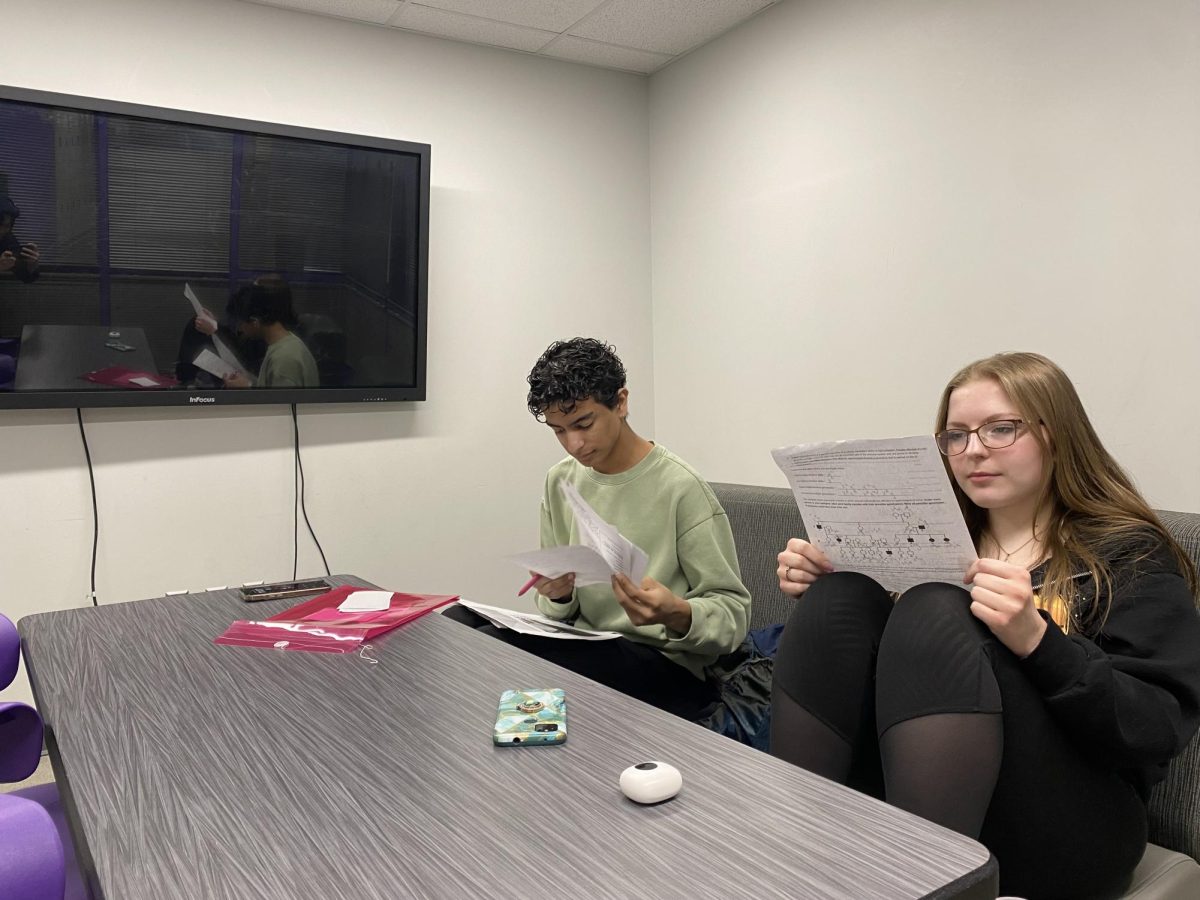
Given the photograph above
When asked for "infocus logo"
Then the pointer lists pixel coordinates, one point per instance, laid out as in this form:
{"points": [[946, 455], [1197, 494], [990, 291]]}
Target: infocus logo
{"points": [[202, 399]]}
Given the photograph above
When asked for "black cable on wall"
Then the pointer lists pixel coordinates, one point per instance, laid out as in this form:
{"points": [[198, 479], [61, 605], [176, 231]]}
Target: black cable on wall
{"points": [[303, 509], [95, 510], [298, 503]]}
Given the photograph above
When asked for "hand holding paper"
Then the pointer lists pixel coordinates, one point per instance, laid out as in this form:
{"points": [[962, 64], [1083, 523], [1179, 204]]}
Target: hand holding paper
{"points": [[603, 553], [884, 508], [559, 588], [202, 314], [588, 566], [652, 603]]}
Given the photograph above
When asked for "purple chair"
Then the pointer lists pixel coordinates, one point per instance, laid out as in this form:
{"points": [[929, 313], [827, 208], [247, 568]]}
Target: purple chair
{"points": [[37, 859], [31, 856], [9, 348], [10, 651]]}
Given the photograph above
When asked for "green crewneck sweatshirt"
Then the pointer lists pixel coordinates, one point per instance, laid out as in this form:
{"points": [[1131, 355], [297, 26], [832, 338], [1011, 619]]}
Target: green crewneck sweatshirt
{"points": [[668, 510], [288, 363]]}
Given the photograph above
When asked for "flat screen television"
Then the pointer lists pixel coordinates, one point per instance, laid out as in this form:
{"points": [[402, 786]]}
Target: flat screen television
{"points": [[153, 257]]}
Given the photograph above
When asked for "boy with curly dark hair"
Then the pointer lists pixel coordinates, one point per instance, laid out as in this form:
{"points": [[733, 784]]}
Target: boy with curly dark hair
{"points": [[692, 606]]}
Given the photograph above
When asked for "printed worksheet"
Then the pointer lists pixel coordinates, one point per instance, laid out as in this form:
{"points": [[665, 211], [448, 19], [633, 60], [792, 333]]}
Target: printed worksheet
{"points": [[602, 553], [885, 508], [532, 623], [614, 548], [551, 562]]}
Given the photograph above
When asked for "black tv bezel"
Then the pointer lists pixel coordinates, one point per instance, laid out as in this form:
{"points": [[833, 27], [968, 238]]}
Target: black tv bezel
{"points": [[249, 396]]}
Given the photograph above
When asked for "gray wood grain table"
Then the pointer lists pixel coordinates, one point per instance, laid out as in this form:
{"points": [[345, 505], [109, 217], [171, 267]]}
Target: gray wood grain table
{"points": [[56, 357], [203, 771]]}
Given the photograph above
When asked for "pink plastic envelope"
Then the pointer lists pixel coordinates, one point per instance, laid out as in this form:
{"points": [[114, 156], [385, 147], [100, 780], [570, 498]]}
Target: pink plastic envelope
{"points": [[314, 637], [317, 625]]}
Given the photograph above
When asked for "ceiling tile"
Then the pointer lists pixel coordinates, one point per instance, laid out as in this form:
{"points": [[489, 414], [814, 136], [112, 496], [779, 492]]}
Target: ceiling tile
{"points": [[596, 54], [548, 15], [376, 11], [666, 26], [469, 28]]}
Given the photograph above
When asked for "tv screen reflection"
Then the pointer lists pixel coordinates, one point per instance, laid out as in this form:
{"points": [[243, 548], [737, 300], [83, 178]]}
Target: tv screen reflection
{"points": [[138, 254]]}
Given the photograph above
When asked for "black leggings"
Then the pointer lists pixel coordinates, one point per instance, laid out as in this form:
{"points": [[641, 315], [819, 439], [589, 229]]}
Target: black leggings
{"points": [[623, 665], [873, 672]]}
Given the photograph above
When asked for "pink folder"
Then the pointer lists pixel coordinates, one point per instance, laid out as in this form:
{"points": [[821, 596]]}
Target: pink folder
{"points": [[120, 376], [317, 625]]}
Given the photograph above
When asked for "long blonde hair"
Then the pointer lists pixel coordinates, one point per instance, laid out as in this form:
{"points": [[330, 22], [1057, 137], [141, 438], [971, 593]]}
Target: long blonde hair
{"points": [[1094, 509]]}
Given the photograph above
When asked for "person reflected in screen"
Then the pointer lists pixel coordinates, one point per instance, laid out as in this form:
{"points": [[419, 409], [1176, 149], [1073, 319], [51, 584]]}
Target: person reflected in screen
{"points": [[691, 606], [1035, 705], [264, 311], [17, 260], [204, 329]]}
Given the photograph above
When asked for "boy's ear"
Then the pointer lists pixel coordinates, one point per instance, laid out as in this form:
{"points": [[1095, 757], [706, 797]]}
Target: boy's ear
{"points": [[622, 408]]}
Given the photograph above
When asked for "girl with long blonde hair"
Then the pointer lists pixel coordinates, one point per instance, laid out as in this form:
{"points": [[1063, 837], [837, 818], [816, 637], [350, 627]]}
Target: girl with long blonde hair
{"points": [[1036, 706]]}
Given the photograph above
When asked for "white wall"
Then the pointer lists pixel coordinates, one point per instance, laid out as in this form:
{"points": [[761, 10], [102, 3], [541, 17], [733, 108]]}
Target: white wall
{"points": [[540, 230], [853, 198], [848, 199]]}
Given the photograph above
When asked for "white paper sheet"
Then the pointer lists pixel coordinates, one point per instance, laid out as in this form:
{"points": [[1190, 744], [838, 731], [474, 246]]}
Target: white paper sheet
{"points": [[366, 601], [143, 381], [230, 358], [213, 364], [551, 562], [197, 305], [614, 548], [531, 623], [884, 508]]}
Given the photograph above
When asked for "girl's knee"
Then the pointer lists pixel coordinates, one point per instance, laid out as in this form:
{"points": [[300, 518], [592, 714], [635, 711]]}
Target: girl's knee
{"points": [[935, 601], [932, 627], [843, 595]]}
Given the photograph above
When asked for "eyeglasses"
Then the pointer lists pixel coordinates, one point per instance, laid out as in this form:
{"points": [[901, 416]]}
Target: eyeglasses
{"points": [[994, 435]]}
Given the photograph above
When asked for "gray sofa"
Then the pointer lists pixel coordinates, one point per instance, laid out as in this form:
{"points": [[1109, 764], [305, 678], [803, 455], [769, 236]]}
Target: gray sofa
{"points": [[763, 518]]}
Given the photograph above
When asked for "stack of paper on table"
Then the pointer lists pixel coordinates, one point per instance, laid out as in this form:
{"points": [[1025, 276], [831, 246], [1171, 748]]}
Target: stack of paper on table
{"points": [[532, 623]]}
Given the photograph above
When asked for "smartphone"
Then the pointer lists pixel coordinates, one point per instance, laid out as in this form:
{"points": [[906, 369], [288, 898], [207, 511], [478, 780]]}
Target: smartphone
{"points": [[282, 589], [531, 717]]}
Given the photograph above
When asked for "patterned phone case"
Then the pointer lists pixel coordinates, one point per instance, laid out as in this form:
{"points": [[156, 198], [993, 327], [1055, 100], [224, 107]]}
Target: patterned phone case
{"points": [[531, 717]]}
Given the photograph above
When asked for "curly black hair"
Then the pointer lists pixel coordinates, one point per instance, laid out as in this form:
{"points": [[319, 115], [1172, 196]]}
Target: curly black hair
{"points": [[574, 370]]}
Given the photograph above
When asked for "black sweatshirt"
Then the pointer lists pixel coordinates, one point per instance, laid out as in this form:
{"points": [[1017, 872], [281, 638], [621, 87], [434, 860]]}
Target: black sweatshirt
{"points": [[1129, 694]]}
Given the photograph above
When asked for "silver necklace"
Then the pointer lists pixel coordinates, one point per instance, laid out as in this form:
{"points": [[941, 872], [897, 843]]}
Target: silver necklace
{"points": [[1009, 554]]}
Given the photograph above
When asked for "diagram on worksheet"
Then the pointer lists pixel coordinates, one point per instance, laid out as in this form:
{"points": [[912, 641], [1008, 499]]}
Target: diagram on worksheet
{"points": [[885, 508]]}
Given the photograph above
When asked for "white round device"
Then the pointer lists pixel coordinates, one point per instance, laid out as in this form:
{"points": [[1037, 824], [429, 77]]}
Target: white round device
{"points": [[651, 782]]}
